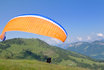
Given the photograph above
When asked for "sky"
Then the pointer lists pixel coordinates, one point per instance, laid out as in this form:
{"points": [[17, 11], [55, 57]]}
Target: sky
{"points": [[82, 19]]}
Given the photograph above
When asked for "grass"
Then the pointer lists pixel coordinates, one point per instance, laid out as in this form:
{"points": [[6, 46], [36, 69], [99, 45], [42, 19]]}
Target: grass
{"points": [[8, 64]]}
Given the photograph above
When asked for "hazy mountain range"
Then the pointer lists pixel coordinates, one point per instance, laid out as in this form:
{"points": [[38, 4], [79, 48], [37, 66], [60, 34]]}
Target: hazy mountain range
{"points": [[92, 49]]}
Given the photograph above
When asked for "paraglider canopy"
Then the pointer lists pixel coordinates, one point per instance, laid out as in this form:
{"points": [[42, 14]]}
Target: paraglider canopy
{"points": [[36, 24]]}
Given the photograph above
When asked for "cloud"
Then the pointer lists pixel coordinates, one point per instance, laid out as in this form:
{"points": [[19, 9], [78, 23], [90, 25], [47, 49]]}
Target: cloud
{"points": [[79, 38], [88, 38], [56, 40], [53, 41], [100, 35]]}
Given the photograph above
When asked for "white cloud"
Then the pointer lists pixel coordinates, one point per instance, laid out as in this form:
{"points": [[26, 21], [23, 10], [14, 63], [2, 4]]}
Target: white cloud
{"points": [[53, 41], [56, 40], [100, 35], [79, 38], [88, 38]]}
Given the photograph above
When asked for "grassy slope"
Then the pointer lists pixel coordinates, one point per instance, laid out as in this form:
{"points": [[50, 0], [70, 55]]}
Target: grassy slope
{"points": [[32, 65], [37, 49]]}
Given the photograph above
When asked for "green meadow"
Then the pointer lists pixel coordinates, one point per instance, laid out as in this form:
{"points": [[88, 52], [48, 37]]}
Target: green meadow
{"points": [[8, 64]]}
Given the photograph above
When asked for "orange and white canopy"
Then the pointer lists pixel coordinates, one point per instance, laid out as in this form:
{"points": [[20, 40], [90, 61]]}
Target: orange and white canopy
{"points": [[36, 24]]}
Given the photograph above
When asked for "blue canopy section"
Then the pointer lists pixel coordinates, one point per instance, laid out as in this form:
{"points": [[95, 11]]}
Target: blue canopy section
{"points": [[4, 38]]}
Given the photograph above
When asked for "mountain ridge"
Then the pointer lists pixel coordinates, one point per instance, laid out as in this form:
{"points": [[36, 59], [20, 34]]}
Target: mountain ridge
{"points": [[92, 49]]}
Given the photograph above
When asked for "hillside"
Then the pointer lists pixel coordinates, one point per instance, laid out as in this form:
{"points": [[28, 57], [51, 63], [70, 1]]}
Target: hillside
{"points": [[33, 65], [35, 49], [93, 49]]}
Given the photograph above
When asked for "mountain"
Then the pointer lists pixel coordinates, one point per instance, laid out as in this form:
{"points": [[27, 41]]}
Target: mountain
{"points": [[92, 49], [36, 49], [33, 49]]}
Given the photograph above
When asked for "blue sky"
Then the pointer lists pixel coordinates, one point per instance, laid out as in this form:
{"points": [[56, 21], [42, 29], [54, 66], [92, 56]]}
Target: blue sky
{"points": [[82, 19]]}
